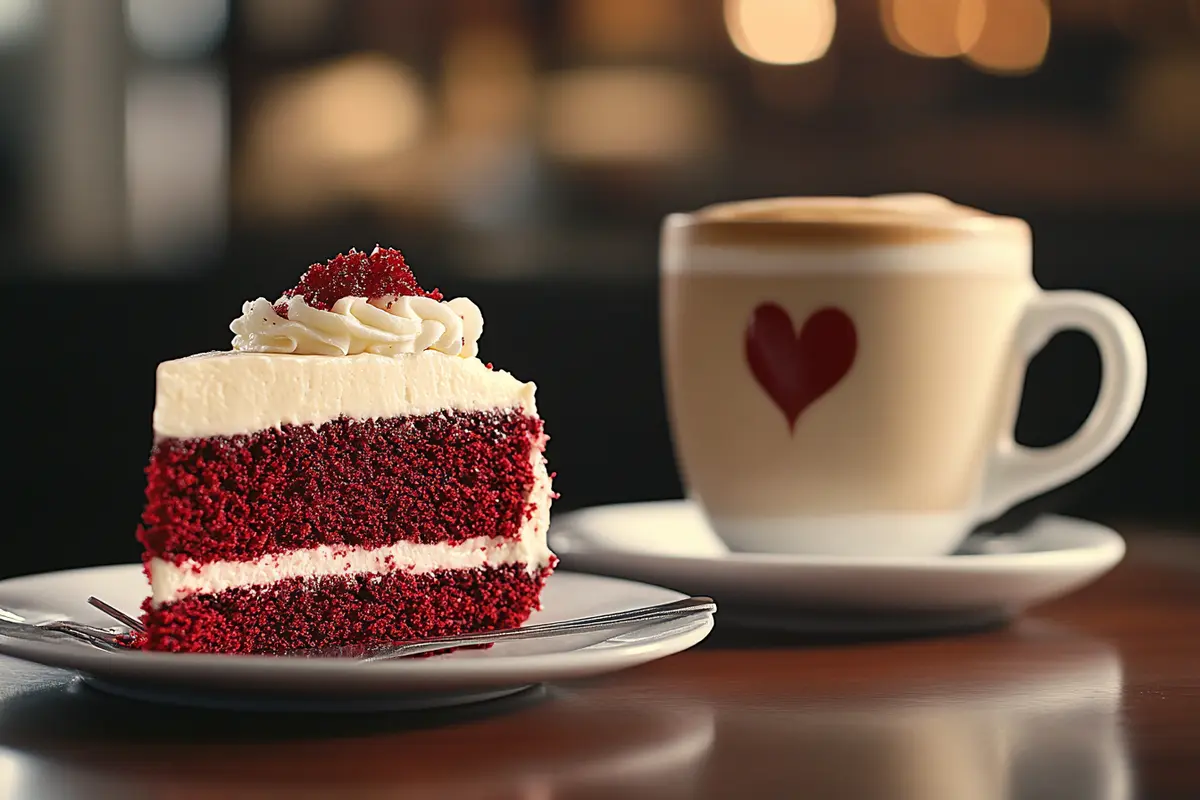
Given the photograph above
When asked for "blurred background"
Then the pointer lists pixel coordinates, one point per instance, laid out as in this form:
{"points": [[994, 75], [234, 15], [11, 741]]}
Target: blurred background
{"points": [[163, 160]]}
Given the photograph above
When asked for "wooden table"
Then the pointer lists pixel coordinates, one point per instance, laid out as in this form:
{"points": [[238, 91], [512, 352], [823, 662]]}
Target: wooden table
{"points": [[1096, 696]]}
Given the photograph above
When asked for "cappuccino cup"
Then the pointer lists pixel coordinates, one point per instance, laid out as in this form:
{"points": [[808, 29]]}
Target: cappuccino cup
{"points": [[843, 375]]}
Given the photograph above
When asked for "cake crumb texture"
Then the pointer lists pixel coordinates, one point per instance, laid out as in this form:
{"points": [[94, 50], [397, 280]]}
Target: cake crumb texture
{"points": [[359, 610], [444, 477]]}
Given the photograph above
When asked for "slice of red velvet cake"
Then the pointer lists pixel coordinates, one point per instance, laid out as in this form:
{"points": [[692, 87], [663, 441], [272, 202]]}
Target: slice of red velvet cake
{"points": [[350, 473]]}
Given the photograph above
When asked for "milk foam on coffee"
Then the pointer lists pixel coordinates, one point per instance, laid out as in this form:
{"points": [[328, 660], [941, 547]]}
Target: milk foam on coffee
{"points": [[880, 208], [844, 234]]}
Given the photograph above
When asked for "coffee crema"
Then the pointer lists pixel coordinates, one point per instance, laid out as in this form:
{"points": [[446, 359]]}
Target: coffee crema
{"points": [[890, 219]]}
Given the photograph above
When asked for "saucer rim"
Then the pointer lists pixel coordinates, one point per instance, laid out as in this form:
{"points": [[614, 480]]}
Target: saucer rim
{"points": [[1097, 542]]}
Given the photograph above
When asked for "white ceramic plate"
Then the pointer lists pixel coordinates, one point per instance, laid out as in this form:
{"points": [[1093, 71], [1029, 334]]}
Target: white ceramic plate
{"points": [[990, 580], [264, 683]]}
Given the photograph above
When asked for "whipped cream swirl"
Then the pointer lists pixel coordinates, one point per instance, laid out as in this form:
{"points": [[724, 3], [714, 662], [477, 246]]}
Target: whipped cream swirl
{"points": [[389, 326]]}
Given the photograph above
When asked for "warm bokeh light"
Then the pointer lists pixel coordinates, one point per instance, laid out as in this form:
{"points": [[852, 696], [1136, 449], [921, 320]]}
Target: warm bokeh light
{"points": [[1015, 37], [933, 28], [488, 86], [626, 115], [359, 108], [315, 132], [781, 31], [631, 27]]}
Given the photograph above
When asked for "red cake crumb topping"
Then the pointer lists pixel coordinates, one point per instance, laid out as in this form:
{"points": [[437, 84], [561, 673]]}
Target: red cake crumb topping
{"points": [[444, 477], [380, 273], [356, 610]]}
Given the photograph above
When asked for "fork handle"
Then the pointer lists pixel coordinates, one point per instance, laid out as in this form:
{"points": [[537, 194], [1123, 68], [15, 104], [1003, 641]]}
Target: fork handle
{"points": [[614, 623]]}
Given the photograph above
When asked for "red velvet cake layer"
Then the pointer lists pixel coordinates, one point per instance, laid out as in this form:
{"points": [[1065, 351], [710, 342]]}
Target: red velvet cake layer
{"points": [[338, 611], [444, 477]]}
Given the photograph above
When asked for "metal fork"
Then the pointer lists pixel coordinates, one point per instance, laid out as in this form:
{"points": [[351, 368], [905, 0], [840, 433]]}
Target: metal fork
{"points": [[586, 630], [103, 638], [132, 623]]}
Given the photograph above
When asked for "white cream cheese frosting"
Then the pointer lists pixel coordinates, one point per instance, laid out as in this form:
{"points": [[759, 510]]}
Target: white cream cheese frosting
{"points": [[170, 582], [231, 393], [391, 326]]}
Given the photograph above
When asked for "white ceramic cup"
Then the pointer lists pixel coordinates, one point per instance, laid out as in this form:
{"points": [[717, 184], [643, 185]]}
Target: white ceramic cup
{"points": [[843, 374]]}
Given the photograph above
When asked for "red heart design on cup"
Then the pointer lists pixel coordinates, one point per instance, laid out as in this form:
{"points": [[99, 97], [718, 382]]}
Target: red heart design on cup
{"points": [[795, 369]]}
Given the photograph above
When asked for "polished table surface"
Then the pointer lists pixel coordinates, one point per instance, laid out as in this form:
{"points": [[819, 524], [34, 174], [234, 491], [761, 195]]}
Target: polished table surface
{"points": [[1094, 696]]}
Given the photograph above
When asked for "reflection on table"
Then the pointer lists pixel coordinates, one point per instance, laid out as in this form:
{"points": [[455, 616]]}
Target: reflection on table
{"points": [[1034, 708]]}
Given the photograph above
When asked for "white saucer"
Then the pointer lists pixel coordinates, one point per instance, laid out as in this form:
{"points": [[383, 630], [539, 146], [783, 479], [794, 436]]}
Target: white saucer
{"points": [[990, 580], [283, 683]]}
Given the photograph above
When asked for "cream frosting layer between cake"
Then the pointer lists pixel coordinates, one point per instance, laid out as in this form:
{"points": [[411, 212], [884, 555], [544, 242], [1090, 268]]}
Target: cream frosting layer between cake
{"points": [[169, 582], [231, 393]]}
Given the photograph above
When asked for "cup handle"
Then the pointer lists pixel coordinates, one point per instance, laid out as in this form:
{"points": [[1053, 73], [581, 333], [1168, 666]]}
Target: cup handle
{"points": [[1015, 473]]}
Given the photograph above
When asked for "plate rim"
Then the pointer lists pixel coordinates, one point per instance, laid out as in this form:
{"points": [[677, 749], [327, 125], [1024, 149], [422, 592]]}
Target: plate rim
{"points": [[415, 673]]}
